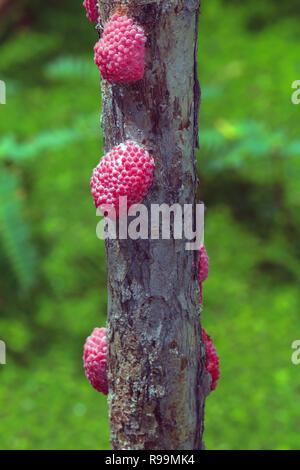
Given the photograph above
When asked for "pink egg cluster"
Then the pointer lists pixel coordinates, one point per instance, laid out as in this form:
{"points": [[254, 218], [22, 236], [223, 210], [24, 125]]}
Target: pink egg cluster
{"points": [[94, 360], [120, 53], [91, 10], [127, 170], [212, 363], [203, 267]]}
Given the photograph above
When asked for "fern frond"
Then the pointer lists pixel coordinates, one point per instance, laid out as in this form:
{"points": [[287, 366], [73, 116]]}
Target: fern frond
{"points": [[14, 232]]}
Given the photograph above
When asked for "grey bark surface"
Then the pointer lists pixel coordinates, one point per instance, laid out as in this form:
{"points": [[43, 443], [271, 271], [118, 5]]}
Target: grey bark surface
{"points": [[156, 373]]}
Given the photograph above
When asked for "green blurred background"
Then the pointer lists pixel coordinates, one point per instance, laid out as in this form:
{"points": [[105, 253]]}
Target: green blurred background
{"points": [[52, 266]]}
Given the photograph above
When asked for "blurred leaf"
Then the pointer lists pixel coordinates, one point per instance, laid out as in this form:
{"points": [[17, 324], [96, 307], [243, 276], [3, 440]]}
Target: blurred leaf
{"points": [[52, 140], [211, 140], [25, 47], [72, 68], [292, 148], [15, 233]]}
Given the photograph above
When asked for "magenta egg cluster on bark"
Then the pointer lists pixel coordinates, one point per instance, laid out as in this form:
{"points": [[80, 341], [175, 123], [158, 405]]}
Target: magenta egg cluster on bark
{"points": [[120, 53], [127, 170], [203, 267], [212, 363], [94, 359], [91, 10]]}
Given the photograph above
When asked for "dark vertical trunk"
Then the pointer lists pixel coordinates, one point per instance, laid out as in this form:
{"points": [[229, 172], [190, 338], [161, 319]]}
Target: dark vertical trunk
{"points": [[157, 378]]}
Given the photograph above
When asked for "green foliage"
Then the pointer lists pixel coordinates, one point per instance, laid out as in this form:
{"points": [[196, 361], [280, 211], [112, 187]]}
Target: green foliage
{"points": [[14, 231], [248, 168], [242, 144], [253, 150], [72, 68], [12, 151], [26, 48]]}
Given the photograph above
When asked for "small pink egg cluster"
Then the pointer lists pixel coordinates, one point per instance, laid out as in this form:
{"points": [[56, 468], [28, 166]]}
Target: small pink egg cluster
{"points": [[203, 267], [127, 170], [212, 363], [91, 10], [94, 360], [120, 53]]}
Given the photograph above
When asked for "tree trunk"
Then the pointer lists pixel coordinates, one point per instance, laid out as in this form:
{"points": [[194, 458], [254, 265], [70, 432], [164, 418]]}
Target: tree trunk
{"points": [[156, 373]]}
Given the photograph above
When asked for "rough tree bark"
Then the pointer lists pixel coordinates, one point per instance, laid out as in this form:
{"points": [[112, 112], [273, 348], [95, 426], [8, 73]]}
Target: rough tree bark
{"points": [[157, 379]]}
